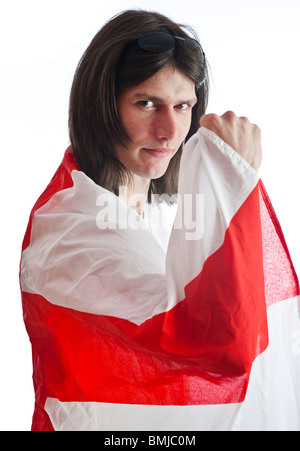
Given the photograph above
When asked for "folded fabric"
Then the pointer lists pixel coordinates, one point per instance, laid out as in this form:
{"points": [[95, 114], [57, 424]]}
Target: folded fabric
{"points": [[186, 319]]}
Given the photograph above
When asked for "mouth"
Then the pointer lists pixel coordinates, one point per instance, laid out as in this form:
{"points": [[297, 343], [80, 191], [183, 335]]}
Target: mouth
{"points": [[158, 152]]}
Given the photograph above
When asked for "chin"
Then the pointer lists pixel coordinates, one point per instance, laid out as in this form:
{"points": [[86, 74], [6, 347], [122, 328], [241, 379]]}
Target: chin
{"points": [[157, 173]]}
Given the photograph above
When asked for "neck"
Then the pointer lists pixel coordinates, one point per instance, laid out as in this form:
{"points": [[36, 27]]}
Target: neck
{"points": [[135, 194]]}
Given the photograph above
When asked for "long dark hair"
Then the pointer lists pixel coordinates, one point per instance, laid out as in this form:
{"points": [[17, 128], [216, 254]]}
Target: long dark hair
{"points": [[113, 61]]}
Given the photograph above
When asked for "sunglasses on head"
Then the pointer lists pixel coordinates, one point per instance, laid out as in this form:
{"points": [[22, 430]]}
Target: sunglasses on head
{"points": [[163, 41]]}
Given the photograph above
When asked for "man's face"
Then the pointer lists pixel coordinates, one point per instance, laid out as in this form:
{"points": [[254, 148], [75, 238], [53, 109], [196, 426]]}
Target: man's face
{"points": [[156, 115]]}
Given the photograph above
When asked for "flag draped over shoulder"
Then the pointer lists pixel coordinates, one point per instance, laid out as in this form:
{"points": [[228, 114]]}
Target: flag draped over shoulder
{"points": [[138, 326]]}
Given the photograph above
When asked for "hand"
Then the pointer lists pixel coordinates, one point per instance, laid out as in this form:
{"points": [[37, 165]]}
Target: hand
{"points": [[238, 133]]}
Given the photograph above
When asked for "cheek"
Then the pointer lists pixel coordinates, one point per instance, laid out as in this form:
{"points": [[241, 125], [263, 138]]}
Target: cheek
{"points": [[135, 127]]}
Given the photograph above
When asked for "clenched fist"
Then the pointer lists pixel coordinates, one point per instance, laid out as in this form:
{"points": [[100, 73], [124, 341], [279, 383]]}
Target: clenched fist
{"points": [[238, 133]]}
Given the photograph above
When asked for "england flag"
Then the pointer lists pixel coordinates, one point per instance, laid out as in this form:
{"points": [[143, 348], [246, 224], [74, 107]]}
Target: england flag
{"points": [[184, 320]]}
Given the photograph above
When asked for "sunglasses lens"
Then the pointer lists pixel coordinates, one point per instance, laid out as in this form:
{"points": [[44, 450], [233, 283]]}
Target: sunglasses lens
{"points": [[156, 41], [192, 44], [162, 41]]}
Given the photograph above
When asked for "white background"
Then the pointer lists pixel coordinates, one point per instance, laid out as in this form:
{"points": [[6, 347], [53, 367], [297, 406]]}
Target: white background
{"points": [[253, 50]]}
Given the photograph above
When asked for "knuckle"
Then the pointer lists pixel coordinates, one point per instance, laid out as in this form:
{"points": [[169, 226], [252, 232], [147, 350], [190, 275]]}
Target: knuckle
{"points": [[211, 116], [245, 119], [211, 120], [230, 116], [257, 129]]}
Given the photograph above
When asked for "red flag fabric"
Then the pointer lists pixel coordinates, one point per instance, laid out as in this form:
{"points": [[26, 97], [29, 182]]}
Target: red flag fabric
{"points": [[136, 325]]}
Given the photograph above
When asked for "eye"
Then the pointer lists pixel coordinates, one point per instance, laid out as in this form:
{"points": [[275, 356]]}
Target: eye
{"points": [[183, 106], [146, 103]]}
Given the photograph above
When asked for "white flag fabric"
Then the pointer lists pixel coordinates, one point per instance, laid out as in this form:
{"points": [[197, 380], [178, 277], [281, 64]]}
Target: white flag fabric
{"points": [[187, 319]]}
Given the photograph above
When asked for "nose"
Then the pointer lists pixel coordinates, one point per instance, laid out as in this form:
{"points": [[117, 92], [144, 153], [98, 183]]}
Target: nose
{"points": [[166, 125]]}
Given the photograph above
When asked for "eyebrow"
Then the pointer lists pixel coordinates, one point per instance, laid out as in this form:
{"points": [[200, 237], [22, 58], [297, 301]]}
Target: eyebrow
{"points": [[162, 101]]}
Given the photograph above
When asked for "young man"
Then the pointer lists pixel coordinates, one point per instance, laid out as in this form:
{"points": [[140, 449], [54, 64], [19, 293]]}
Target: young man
{"points": [[107, 118], [136, 324]]}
